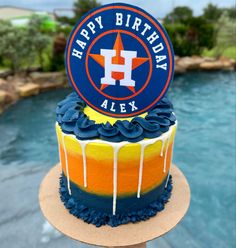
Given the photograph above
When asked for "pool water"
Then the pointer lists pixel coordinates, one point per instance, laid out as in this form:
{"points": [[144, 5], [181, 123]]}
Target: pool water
{"points": [[205, 150]]}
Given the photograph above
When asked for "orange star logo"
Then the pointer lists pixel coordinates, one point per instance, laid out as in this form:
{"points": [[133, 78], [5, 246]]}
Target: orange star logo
{"points": [[118, 47]]}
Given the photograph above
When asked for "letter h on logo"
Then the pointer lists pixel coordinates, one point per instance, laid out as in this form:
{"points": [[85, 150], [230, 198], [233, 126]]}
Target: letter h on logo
{"points": [[126, 68]]}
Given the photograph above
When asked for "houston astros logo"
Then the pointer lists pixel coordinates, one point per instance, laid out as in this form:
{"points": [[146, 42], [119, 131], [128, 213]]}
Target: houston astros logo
{"points": [[119, 60]]}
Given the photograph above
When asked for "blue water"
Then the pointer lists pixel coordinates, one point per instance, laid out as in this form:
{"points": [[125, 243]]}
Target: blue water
{"points": [[205, 150]]}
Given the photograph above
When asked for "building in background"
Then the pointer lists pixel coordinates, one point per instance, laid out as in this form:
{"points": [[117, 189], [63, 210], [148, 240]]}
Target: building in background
{"points": [[20, 16]]}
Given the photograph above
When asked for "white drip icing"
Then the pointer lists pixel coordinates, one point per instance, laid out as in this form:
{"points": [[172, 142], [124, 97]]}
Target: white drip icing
{"points": [[141, 170], [59, 150], [167, 180], [66, 160], [171, 159], [83, 145], [116, 150], [164, 137], [116, 147], [166, 153], [115, 169], [162, 147]]}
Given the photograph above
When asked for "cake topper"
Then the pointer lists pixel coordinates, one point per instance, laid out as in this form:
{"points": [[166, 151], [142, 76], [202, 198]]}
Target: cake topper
{"points": [[120, 60]]}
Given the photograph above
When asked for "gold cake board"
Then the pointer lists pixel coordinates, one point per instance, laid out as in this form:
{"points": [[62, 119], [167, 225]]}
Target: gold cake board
{"points": [[128, 235]]}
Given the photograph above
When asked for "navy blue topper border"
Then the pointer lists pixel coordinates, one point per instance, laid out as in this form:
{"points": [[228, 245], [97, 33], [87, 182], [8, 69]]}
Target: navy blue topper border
{"points": [[120, 60]]}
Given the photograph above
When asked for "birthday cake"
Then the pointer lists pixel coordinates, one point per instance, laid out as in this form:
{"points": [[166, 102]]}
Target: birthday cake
{"points": [[116, 130]]}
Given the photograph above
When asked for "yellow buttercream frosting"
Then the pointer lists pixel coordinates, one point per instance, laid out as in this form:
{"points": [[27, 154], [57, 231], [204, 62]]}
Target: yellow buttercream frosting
{"points": [[100, 118], [104, 151]]}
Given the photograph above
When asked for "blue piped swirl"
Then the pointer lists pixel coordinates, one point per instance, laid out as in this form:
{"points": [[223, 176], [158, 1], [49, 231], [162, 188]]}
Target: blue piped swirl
{"points": [[72, 120]]}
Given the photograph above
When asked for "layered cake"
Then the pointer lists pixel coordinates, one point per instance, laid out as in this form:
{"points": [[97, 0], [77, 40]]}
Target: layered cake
{"points": [[116, 130]]}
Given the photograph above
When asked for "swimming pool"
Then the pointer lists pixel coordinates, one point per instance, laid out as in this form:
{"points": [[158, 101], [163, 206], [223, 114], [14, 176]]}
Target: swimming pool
{"points": [[204, 149]]}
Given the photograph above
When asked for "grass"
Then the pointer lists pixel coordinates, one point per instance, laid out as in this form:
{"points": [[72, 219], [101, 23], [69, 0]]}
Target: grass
{"points": [[229, 52]]}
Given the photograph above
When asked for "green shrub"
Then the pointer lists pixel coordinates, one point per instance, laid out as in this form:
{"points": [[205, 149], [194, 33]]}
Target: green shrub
{"points": [[59, 45], [40, 39], [13, 45], [23, 47], [64, 29], [191, 36]]}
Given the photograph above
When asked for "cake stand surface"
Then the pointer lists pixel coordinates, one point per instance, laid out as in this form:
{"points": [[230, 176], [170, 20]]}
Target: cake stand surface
{"points": [[129, 235]]}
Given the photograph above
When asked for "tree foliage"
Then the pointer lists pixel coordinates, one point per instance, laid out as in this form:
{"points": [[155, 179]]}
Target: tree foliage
{"points": [[59, 45], [13, 45], [21, 47], [81, 7], [212, 12], [226, 33], [231, 12], [192, 38], [179, 15], [190, 35], [40, 40]]}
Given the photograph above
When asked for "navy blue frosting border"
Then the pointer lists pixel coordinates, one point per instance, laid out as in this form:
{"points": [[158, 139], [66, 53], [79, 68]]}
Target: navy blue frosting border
{"points": [[98, 219], [72, 120]]}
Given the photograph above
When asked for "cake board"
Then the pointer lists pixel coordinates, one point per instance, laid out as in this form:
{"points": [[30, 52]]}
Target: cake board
{"points": [[128, 235]]}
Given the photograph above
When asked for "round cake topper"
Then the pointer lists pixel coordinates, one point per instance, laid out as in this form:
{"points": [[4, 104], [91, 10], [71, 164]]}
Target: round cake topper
{"points": [[120, 60]]}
